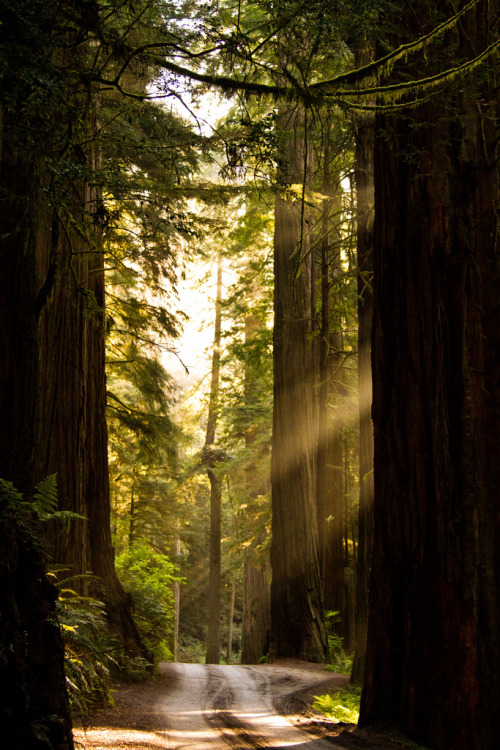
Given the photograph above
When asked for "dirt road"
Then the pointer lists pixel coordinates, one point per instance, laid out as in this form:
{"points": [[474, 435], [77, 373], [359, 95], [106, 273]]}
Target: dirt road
{"points": [[208, 707]]}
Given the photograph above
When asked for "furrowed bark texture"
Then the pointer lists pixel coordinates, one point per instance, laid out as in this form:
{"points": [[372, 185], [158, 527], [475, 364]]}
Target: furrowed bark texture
{"points": [[34, 707], [329, 489], [255, 625], [72, 440], [296, 599], [53, 400], [433, 654], [364, 193]]}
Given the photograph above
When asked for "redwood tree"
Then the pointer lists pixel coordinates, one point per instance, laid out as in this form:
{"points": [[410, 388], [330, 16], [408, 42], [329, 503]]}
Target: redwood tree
{"points": [[363, 170], [296, 598], [433, 652]]}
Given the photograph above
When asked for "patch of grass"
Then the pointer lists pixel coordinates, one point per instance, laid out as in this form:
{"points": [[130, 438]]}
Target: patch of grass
{"points": [[339, 705]]}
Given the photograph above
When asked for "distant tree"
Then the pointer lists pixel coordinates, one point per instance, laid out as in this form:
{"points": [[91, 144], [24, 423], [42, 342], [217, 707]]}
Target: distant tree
{"points": [[211, 457]]}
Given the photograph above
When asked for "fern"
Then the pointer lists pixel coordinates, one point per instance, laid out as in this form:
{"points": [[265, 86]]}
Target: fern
{"points": [[45, 498], [339, 705], [45, 502], [88, 649]]}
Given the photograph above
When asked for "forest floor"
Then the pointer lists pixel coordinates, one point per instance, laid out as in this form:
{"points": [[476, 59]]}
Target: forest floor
{"points": [[208, 707]]}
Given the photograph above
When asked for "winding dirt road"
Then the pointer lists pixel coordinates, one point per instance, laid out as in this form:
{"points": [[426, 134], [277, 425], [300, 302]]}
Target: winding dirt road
{"points": [[209, 707]]}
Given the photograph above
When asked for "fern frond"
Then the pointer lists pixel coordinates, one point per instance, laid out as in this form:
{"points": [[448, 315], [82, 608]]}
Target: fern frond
{"points": [[45, 496]]}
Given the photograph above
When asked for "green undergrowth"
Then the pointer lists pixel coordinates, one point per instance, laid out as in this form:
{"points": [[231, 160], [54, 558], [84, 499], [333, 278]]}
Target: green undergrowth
{"points": [[340, 704], [340, 660], [89, 649], [148, 577]]}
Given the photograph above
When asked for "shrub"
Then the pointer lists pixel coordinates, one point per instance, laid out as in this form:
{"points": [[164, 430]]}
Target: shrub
{"points": [[148, 576], [339, 660]]}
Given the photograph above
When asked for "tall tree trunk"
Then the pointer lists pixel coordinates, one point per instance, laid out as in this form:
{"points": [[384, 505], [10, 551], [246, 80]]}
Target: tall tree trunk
{"points": [[214, 584], [363, 170], [177, 594], [296, 598], [256, 611], [256, 568], [432, 666], [33, 698], [73, 438], [33, 691], [329, 456]]}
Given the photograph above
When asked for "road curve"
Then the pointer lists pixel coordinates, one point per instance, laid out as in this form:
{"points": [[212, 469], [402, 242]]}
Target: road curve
{"points": [[209, 706]]}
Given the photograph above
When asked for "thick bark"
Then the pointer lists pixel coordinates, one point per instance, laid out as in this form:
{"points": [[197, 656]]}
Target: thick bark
{"points": [[296, 599], [51, 278], [433, 643], [329, 453], [72, 440], [33, 700], [364, 193], [256, 617]]}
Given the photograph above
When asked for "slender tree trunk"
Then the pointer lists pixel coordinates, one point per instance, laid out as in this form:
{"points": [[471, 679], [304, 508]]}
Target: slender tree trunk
{"points": [[296, 598], [432, 665], [365, 199], [214, 594], [230, 619], [177, 595], [131, 529]]}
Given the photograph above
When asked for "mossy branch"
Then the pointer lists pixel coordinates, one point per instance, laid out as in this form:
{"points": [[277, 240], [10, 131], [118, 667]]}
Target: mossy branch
{"points": [[422, 85], [374, 70]]}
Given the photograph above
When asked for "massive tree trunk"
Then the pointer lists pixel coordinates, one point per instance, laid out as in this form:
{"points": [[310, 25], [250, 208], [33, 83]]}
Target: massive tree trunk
{"points": [[329, 489], [33, 691], [433, 643], [33, 699], [52, 304], [364, 195], [72, 439], [256, 617], [296, 599]]}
